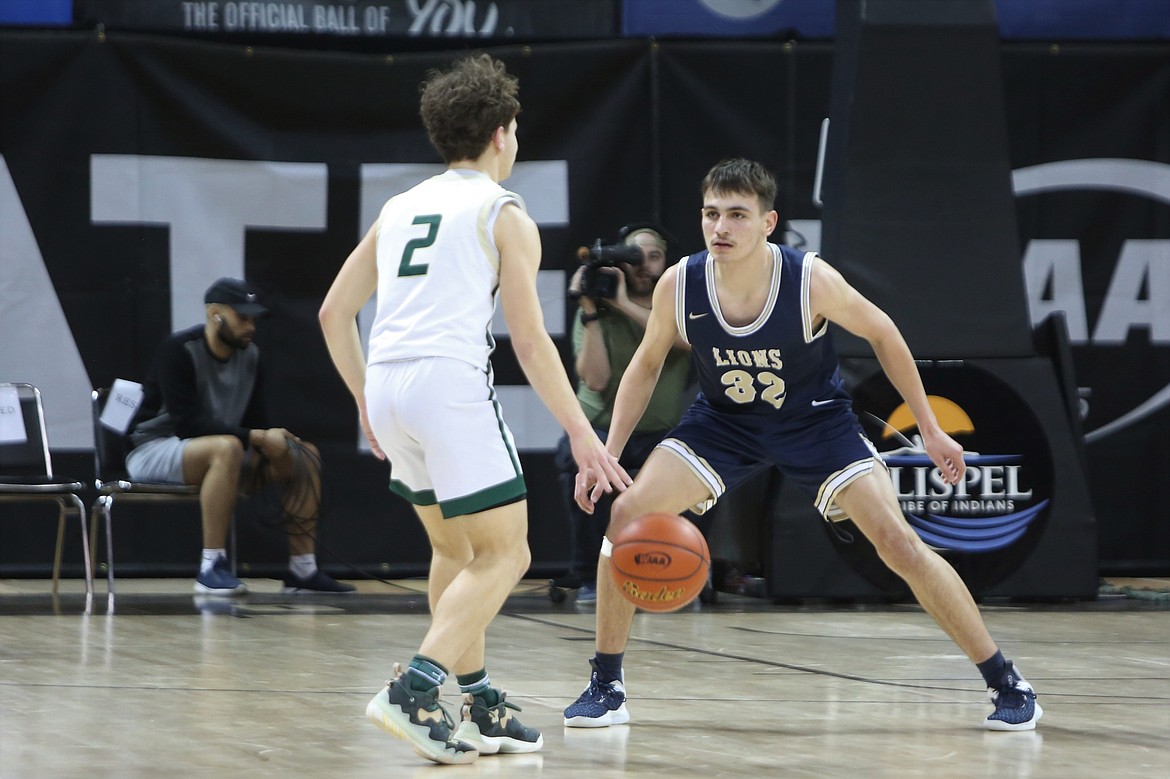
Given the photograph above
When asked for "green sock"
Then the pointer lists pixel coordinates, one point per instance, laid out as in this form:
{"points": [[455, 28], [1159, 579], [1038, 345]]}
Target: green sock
{"points": [[479, 685], [424, 674]]}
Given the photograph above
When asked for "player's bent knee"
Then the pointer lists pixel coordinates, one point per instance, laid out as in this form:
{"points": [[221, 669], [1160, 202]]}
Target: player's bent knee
{"points": [[509, 560], [522, 559], [621, 514], [900, 551]]}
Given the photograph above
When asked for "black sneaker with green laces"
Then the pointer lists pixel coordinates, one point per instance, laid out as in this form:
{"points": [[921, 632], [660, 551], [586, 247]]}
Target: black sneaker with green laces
{"points": [[419, 718], [492, 729]]}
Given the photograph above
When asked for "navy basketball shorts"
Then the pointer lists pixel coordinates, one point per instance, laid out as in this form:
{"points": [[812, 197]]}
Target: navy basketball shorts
{"points": [[823, 451]]}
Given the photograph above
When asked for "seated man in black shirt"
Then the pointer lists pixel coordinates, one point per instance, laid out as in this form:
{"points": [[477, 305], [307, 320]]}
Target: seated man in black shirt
{"points": [[203, 421]]}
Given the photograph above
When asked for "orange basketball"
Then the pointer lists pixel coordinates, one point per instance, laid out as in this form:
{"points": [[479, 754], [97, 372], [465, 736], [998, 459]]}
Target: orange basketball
{"points": [[660, 562]]}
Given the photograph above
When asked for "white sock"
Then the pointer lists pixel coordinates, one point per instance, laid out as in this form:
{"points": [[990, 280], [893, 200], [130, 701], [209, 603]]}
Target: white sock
{"points": [[209, 558], [303, 565]]}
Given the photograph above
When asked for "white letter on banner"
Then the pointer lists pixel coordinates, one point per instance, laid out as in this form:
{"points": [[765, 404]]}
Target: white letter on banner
{"points": [[1054, 266], [544, 185], [1142, 264], [208, 205], [36, 344]]}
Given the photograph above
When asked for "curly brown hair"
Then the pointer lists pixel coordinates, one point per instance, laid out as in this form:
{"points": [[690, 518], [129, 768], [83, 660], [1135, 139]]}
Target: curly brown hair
{"points": [[463, 105]]}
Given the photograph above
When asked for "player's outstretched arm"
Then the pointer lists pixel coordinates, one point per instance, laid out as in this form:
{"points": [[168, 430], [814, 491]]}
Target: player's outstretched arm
{"points": [[519, 244], [638, 382], [832, 298], [356, 282], [641, 376]]}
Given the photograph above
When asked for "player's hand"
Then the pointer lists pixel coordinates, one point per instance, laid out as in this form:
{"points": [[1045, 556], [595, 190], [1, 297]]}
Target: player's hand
{"points": [[599, 472], [581, 489], [946, 454], [369, 432]]}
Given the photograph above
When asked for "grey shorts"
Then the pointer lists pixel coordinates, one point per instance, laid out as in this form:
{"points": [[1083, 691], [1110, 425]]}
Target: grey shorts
{"points": [[160, 460]]}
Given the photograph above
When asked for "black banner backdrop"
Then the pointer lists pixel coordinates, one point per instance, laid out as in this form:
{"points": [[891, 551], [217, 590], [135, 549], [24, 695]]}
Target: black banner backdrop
{"points": [[1090, 144], [113, 207]]}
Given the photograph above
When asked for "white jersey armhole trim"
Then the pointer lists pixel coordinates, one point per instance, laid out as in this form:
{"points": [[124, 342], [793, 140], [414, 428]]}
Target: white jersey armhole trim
{"points": [[378, 222], [806, 317], [680, 299], [486, 224]]}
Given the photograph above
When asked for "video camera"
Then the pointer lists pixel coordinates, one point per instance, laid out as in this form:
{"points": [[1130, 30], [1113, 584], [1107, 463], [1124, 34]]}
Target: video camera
{"points": [[596, 283]]}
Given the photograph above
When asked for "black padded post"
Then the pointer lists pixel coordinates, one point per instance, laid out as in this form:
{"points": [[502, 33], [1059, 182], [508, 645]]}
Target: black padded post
{"points": [[918, 207]]}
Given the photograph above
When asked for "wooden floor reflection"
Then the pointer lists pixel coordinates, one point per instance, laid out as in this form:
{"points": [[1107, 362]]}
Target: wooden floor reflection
{"points": [[273, 685]]}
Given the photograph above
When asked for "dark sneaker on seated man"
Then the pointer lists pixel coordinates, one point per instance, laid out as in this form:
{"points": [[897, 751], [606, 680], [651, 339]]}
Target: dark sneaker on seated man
{"points": [[217, 578], [319, 582]]}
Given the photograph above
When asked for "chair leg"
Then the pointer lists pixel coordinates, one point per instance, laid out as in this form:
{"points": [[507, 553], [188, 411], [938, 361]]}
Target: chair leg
{"points": [[104, 506], [85, 552], [93, 534], [60, 545]]}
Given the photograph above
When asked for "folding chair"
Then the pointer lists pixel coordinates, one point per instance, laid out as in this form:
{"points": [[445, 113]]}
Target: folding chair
{"points": [[114, 483], [26, 472]]}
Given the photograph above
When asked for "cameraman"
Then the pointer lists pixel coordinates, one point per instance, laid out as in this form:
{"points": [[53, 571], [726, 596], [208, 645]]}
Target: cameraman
{"points": [[613, 290]]}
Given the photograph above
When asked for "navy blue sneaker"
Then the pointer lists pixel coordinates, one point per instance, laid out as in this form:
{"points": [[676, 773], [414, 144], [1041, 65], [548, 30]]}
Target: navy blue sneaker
{"points": [[587, 594], [601, 705], [1015, 705], [219, 580], [320, 582]]}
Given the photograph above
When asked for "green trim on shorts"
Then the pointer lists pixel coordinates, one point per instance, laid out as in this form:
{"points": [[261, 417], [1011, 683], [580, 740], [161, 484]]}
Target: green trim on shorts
{"points": [[421, 498], [500, 421], [485, 499]]}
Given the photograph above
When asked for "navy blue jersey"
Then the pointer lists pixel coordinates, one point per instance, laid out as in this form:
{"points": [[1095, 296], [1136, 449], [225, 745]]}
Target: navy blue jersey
{"points": [[778, 367]]}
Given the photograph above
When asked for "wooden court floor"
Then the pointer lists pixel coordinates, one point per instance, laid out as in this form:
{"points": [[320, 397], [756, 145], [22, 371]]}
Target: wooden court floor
{"points": [[277, 685]]}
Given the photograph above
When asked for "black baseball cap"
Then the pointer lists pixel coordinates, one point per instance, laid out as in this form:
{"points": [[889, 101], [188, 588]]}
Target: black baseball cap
{"points": [[238, 294]]}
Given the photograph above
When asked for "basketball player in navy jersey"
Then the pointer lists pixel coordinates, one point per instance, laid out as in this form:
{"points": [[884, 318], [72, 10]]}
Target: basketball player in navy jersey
{"points": [[756, 315]]}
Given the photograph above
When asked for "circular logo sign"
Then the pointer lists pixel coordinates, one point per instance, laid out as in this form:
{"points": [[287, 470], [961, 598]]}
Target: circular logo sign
{"points": [[741, 9], [988, 524]]}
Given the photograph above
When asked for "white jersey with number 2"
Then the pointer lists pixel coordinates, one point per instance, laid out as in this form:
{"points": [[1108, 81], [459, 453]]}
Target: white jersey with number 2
{"points": [[439, 269]]}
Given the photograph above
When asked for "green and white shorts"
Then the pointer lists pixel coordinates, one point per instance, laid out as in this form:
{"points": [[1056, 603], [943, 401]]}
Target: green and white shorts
{"points": [[440, 424]]}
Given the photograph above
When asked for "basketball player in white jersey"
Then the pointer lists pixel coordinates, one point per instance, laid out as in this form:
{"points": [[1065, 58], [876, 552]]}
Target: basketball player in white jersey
{"points": [[436, 257]]}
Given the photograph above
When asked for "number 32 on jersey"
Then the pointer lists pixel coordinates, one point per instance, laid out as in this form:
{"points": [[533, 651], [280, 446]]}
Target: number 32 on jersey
{"points": [[741, 387]]}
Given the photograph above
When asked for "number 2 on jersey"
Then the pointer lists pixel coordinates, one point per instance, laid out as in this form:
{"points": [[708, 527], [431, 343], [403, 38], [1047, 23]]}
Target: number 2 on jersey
{"points": [[405, 268]]}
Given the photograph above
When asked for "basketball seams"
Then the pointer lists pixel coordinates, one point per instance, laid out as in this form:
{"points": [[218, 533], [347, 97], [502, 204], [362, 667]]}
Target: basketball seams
{"points": [[700, 560]]}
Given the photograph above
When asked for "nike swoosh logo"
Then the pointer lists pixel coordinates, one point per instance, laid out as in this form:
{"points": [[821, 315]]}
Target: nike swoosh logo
{"points": [[693, 315], [822, 402]]}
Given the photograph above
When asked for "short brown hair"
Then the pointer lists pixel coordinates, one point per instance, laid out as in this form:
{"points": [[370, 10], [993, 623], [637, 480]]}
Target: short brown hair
{"points": [[463, 105], [740, 175]]}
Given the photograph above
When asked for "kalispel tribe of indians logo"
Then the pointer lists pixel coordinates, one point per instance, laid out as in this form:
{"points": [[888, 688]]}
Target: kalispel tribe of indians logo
{"points": [[988, 523]]}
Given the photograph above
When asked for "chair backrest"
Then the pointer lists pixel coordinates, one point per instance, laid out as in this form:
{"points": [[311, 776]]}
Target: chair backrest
{"points": [[29, 457], [109, 446]]}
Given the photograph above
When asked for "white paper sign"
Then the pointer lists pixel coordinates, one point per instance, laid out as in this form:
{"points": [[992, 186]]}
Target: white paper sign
{"points": [[11, 419], [121, 405]]}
